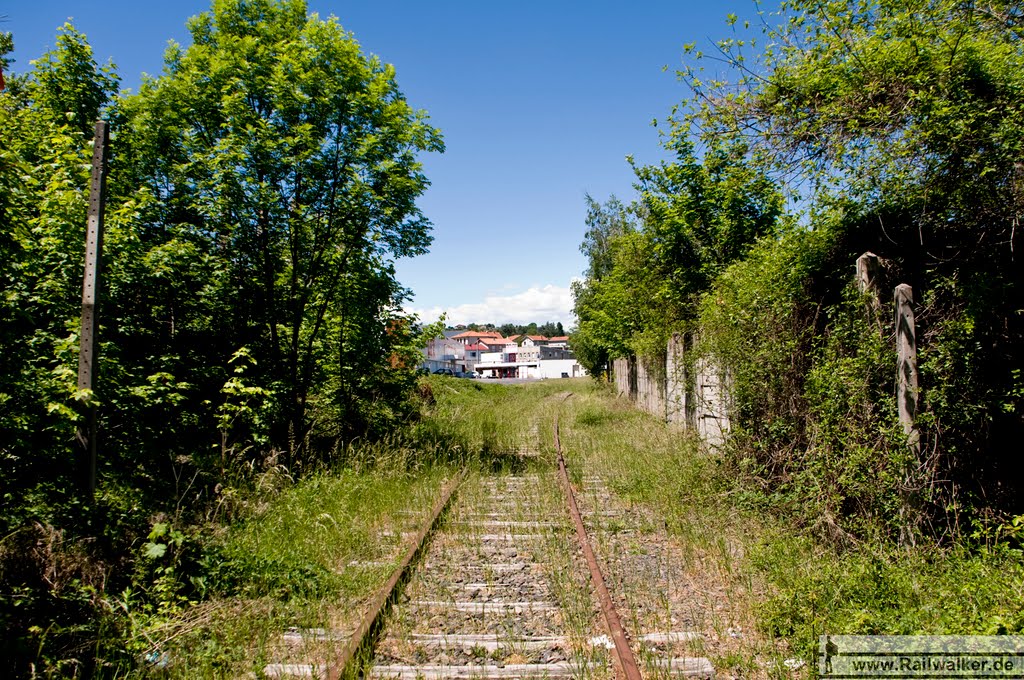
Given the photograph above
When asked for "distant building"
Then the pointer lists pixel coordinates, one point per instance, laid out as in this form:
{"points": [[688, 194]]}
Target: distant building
{"points": [[534, 357], [445, 352], [474, 337], [473, 354], [531, 340]]}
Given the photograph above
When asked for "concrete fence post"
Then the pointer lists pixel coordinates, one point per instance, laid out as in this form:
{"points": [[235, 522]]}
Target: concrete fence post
{"points": [[868, 267], [906, 404], [631, 362], [676, 396], [88, 432], [906, 358]]}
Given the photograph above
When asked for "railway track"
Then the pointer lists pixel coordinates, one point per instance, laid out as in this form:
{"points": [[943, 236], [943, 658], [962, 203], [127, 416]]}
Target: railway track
{"points": [[499, 582]]}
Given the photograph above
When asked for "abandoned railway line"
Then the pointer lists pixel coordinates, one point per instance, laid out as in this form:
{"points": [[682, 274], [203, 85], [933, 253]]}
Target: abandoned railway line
{"points": [[504, 578]]}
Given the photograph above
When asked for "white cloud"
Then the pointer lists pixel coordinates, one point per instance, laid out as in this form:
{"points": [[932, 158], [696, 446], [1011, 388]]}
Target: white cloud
{"points": [[537, 303]]}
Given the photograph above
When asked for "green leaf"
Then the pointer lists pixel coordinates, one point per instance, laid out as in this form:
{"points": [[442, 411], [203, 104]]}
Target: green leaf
{"points": [[159, 529], [154, 551]]}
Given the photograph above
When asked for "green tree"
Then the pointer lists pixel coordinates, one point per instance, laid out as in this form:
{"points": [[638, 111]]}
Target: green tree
{"points": [[260, 192], [703, 214], [897, 124], [44, 162], [286, 157], [644, 280], [604, 222], [6, 47], [908, 109], [44, 156], [67, 85]]}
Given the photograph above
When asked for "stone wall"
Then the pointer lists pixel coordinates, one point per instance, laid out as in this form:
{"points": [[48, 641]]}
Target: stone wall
{"points": [[651, 388], [697, 398], [625, 377]]}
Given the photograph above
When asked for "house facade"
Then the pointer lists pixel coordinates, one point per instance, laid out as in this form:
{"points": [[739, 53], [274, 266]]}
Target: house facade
{"points": [[444, 352], [534, 357]]}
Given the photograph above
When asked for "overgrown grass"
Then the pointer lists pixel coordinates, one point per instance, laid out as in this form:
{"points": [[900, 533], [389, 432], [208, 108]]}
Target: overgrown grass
{"points": [[791, 581], [307, 559], [306, 554], [489, 420]]}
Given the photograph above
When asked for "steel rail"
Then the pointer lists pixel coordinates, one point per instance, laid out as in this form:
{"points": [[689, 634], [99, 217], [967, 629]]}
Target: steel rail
{"points": [[382, 600], [625, 660]]}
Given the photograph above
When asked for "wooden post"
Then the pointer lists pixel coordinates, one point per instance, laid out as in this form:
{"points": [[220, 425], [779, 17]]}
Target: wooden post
{"points": [[87, 435], [906, 402]]}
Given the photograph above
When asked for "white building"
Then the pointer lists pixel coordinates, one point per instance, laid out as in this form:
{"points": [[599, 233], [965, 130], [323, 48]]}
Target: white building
{"points": [[553, 368], [532, 359], [445, 352]]}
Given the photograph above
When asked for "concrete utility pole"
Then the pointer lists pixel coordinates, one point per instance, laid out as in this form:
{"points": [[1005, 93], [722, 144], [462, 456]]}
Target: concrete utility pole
{"points": [[869, 268], [87, 434]]}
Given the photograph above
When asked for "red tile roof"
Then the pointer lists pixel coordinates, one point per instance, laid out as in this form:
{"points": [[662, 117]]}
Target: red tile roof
{"points": [[478, 334], [560, 338]]}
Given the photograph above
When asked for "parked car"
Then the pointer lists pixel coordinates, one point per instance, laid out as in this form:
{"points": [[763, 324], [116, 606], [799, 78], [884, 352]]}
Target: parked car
{"points": [[467, 374], [444, 371]]}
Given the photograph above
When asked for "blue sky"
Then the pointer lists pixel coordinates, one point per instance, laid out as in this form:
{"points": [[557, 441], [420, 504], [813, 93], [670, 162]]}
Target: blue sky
{"points": [[539, 103]]}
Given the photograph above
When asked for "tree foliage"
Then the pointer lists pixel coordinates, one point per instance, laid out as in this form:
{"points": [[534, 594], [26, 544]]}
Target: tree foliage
{"points": [[274, 149], [649, 263], [899, 121], [259, 193], [891, 126]]}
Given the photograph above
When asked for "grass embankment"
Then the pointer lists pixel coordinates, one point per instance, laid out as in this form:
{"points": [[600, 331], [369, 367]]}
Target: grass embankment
{"points": [[305, 555], [301, 556], [788, 585], [305, 558]]}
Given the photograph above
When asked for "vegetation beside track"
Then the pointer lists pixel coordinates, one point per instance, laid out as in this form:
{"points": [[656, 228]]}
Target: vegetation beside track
{"points": [[788, 584], [213, 598], [260, 190], [288, 562]]}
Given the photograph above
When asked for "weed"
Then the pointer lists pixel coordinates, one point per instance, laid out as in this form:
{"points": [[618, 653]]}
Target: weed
{"points": [[785, 580]]}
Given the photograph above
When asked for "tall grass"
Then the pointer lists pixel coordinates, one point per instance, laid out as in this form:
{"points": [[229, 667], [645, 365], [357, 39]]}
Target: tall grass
{"points": [[793, 584], [307, 554], [306, 559]]}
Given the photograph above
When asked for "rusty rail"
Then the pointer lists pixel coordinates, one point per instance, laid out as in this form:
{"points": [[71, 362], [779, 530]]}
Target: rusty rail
{"points": [[625, 660], [382, 600]]}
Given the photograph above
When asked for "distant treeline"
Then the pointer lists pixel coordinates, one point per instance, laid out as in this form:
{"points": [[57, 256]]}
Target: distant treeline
{"points": [[549, 329]]}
